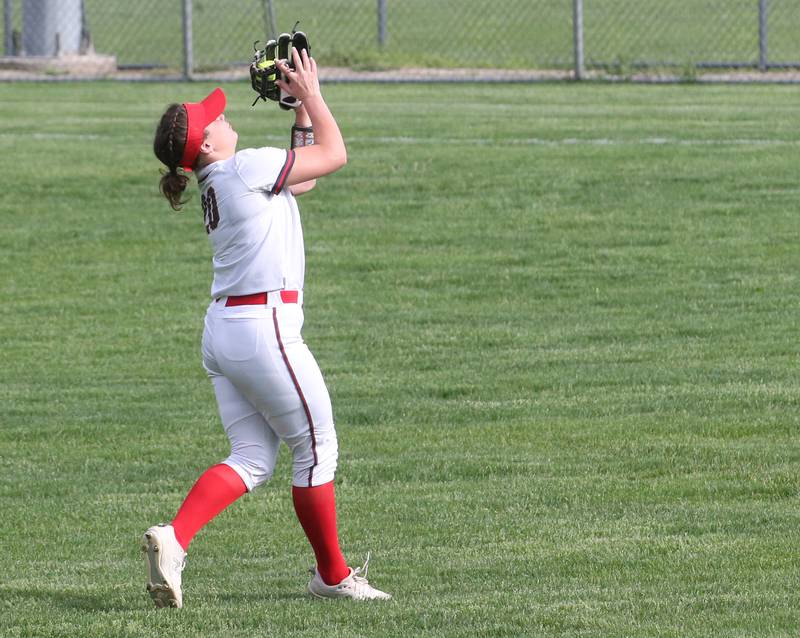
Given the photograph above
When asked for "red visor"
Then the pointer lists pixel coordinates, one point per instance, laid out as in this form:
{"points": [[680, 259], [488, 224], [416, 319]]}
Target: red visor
{"points": [[200, 115]]}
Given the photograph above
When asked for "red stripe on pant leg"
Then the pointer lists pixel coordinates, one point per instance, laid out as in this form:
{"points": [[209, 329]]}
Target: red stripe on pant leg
{"points": [[299, 393]]}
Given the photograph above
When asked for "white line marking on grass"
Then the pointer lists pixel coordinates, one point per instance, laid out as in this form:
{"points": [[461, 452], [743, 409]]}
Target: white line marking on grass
{"points": [[51, 136], [472, 141], [572, 141]]}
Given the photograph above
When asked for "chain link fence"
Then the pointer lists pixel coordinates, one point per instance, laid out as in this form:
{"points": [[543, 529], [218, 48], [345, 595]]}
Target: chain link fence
{"points": [[407, 40]]}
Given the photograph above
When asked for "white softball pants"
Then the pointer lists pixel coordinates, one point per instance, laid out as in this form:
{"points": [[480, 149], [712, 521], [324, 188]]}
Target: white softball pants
{"points": [[269, 389]]}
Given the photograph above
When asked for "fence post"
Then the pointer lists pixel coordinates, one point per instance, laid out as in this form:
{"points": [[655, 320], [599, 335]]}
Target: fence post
{"points": [[381, 23], [273, 23], [188, 55], [8, 36], [577, 37], [763, 34]]}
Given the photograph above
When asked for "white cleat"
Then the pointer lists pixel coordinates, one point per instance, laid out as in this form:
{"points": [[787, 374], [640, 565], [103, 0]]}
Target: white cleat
{"points": [[165, 561], [355, 586]]}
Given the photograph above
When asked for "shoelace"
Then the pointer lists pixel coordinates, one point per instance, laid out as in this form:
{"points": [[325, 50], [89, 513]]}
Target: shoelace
{"points": [[360, 573], [179, 563]]}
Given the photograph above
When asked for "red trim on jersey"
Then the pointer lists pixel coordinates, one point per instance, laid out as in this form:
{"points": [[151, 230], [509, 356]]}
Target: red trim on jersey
{"points": [[300, 394], [199, 115], [287, 168]]}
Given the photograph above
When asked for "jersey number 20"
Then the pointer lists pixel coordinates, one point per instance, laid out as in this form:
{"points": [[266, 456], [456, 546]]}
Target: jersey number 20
{"points": [[210, 210]]}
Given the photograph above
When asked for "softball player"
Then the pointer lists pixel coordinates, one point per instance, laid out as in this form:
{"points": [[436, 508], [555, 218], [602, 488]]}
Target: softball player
{"points": [[267, 384]]}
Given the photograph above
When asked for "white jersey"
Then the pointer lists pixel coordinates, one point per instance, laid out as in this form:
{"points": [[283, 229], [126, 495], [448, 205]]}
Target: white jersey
{"points": [[253, 223]]}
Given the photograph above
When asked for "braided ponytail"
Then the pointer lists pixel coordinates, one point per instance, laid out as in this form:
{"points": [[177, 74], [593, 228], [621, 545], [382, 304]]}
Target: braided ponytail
{"points": [[168, 146]]}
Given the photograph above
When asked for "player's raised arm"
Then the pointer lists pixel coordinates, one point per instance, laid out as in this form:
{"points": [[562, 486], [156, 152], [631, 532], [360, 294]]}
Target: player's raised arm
{"points": [[302, 135], [328, 153]]}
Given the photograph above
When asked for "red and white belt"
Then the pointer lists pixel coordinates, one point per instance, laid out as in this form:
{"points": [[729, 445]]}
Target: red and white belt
{"points": [[274, 298]]}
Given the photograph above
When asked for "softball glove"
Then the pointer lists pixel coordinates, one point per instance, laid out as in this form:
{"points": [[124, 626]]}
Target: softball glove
{"points": [[264, 72]]}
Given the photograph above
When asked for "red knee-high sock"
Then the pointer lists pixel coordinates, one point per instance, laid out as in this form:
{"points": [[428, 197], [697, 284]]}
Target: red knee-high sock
{"points": [[218, 487], [316, 509]]}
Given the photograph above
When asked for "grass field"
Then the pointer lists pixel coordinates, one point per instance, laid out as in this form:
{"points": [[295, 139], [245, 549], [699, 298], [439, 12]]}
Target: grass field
{"points": [[558, 322]]}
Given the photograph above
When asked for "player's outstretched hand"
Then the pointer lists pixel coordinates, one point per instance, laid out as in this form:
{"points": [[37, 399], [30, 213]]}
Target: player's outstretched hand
{"points": [[302, 82]]}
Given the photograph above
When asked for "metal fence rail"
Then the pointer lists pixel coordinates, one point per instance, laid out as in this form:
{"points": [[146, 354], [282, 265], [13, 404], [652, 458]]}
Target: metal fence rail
{"points": [[405, 39]]}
